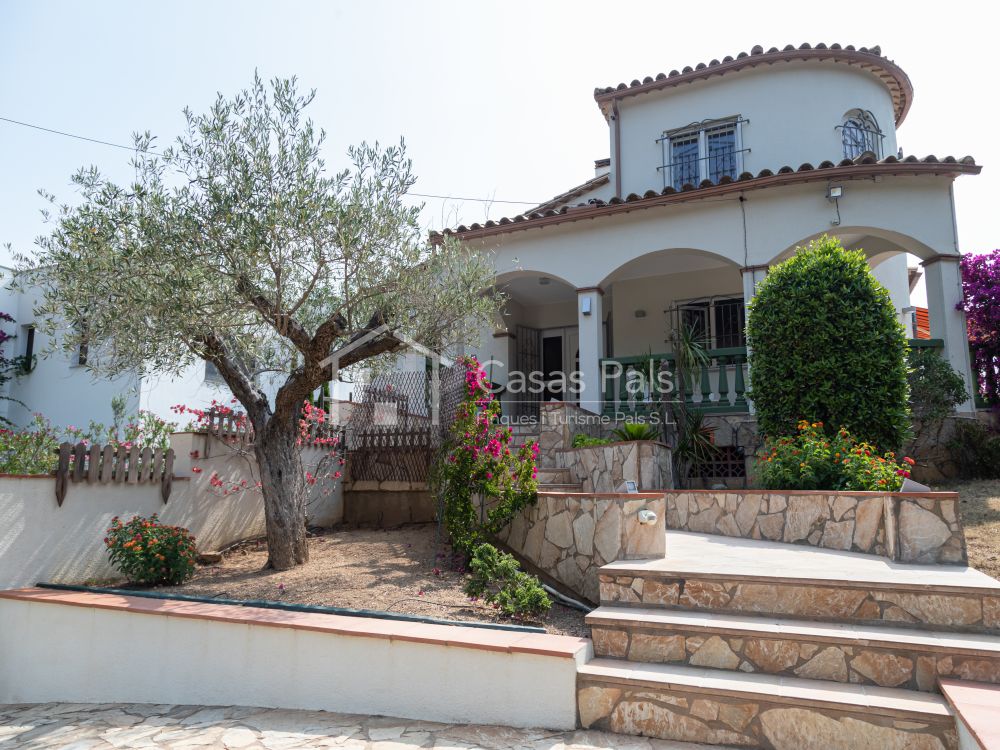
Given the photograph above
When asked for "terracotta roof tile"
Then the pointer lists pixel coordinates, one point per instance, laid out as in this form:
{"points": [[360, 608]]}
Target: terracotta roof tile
{"points": [[866, 58], [572, 193], [865, 165]]}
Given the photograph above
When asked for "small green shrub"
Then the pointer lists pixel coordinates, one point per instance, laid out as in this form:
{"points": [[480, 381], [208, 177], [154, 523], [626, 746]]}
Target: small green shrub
{"points": [[630, 431], [826, 345], [145, 551], [813, 460], [582, 440], [497, 578], [976, 450], [935, 388]]}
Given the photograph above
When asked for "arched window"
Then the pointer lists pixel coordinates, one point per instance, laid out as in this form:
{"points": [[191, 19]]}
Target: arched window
{"points": [[860, 133]]}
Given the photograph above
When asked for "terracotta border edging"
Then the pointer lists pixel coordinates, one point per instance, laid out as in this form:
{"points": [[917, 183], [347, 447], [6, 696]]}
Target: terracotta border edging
{"points": [[649, 495], [540, 644], [960, 686], [931, 495]]}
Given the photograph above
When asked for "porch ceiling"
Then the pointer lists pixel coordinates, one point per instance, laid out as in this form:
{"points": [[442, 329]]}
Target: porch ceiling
{"points": [[665, 262], [529, 290]]}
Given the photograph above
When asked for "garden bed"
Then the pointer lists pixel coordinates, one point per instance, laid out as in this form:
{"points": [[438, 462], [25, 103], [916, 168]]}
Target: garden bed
{"points": [[401, 570], [980, 507]]}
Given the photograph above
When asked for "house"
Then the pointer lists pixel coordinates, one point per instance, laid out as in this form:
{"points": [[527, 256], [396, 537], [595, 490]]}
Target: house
{"points": [[60, 386], [716, 173]]}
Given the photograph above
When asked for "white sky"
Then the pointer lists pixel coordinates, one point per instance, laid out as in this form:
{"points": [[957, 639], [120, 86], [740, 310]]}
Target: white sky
{"points": [[494, 100]]}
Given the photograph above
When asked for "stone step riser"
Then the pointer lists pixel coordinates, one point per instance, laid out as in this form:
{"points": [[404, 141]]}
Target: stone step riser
{"points": [[719, 717], [885, 664], [553, 487], [957, 611]]}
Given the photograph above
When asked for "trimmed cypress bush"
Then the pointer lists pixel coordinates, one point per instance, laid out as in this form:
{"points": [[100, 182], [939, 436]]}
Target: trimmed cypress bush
{"points": [[827, 346]]}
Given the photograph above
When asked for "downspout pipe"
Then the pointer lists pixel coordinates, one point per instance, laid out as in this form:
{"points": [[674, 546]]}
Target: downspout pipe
{"points": [[616, 119]]}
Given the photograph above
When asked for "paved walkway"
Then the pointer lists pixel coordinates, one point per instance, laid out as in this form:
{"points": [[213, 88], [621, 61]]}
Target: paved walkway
{"points": [[126, 726]]}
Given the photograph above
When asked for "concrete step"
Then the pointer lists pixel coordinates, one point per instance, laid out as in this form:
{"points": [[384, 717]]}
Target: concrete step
{"points": [[704, 573], [548, 474], [567, 487], [864, 654], [760, 711], [977, 713]]}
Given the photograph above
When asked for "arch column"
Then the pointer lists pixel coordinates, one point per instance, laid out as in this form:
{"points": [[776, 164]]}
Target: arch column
{"points": [[752, 276], [590, 317], [943, 277]]}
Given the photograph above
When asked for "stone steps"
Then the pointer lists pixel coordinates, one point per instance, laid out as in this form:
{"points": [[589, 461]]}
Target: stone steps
{"points": [[576, 489], [702, 573], [761, 711], [547, 474], [872, 655]]}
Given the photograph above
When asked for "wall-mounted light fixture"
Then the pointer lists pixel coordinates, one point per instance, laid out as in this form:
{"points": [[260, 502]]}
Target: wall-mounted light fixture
{"points": [[585, 305], [833, 194], [640, 313]]}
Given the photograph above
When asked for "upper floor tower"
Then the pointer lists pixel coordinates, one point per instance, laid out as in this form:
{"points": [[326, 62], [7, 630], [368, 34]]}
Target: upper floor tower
{"points": [[759, 110]]}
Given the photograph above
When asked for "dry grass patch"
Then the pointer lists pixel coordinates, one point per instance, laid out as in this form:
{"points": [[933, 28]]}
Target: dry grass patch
{"points": [[402, 570], [980, 509]]}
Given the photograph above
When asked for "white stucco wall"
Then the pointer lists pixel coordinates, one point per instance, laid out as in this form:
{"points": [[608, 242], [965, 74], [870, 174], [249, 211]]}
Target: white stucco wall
{"points": [[41, 541], [57, 387], [53, 652], [792, 110], [913, 213]]}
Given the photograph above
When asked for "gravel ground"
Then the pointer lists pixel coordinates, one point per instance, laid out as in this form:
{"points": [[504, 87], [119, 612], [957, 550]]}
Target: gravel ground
{"points": [[400, 570], [980, 510]]}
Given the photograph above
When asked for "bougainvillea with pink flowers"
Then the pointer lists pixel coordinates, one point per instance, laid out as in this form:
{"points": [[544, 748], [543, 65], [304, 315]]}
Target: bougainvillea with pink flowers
{"points": [[316, 430], [484, 478], [981, 284]]}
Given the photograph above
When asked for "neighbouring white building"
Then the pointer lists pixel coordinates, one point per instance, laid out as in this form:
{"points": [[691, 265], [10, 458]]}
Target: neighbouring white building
{"points": [[60, 386], [717, 172]]}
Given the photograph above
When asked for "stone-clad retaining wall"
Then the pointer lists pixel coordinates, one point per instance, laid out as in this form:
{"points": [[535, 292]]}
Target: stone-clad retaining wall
{"points": [[570, 536], [559, 421], [911, 527], [605, 468]]}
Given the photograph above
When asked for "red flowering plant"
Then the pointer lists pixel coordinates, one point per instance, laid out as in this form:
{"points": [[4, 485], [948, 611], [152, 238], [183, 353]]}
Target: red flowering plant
{"points": [[148, 552], [315, 428], [813, 460], [484, 479]]}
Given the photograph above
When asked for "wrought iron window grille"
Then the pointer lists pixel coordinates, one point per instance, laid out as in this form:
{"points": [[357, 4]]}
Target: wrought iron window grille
{"points": [[715, 150], [860, 133]]}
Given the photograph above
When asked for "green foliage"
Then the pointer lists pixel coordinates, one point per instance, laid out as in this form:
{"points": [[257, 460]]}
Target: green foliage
{"points": [[814, 460], [976, 450], [148, 552], [695, 441], [827, 346], [497, 578], [482, 480], [935, 388], [583, 440], [630, 431], [237, 244], [33, 450]]}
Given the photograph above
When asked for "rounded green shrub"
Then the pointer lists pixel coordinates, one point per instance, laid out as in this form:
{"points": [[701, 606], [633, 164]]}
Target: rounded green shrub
{"points": [[827, 346]]}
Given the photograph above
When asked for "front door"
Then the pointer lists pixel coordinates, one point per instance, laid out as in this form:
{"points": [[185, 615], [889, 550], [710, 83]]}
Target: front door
{"points": [[552, 366]]}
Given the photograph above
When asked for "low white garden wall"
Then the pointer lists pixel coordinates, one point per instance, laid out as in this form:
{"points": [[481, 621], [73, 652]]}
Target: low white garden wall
{"points": [[90, 648], [42, 541]]}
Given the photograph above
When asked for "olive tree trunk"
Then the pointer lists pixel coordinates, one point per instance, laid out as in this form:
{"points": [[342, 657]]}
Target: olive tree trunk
{"points": [[282, 483]]}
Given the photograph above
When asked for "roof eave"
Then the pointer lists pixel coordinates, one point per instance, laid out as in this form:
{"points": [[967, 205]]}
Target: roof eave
{"points": [[786, 176], [891, 75]]}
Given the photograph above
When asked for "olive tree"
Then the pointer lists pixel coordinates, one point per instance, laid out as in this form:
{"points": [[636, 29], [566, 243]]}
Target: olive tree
{"points": [[236, 245]]}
